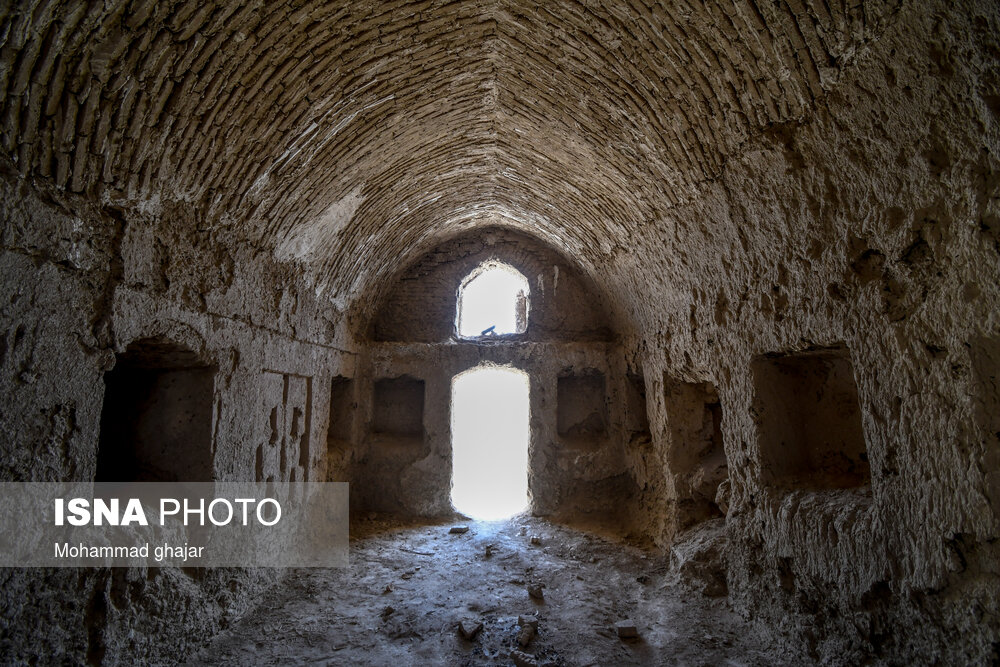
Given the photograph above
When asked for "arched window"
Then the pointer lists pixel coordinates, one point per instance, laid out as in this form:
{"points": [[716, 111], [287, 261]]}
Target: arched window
{"points": [[492, 301]]}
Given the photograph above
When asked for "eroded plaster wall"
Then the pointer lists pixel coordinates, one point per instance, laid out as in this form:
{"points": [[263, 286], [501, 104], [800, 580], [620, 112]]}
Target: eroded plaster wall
{"points": [[743, 179], [80, 284], [868, 223]]}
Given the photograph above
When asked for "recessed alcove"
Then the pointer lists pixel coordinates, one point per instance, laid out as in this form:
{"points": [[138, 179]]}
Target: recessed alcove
{"points": [[582, 408], [341, 435], [340, 431], [398, 408], [808, 417], [697, 452], [636, 416], [156, 419]]}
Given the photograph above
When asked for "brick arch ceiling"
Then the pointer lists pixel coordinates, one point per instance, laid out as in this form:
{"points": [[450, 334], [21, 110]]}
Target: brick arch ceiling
{"points": [[344, 133]]}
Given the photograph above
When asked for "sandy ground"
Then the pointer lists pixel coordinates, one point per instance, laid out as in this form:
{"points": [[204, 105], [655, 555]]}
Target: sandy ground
{"points": [[409, 586]]}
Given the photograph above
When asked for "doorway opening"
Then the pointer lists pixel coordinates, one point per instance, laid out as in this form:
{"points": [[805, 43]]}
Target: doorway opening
{"points": [[492, 301], [490, 433]]}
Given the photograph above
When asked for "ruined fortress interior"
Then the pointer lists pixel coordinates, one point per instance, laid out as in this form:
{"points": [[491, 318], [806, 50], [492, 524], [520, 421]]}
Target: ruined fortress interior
{"points": [[759, 321]]}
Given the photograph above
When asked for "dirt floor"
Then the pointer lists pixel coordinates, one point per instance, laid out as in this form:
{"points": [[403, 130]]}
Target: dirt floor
{"points": [[410, 586]]}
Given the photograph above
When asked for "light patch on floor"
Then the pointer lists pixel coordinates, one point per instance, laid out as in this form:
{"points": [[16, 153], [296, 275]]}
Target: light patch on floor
{"points": [[409, 586]]}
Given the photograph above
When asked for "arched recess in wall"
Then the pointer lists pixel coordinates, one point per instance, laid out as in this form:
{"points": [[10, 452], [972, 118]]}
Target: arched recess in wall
{"points": [[156, 419], [577, 462]]}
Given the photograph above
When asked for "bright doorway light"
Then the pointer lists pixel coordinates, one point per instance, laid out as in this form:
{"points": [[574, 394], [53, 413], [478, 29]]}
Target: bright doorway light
{"points": [[489, 435], [493, 299]]}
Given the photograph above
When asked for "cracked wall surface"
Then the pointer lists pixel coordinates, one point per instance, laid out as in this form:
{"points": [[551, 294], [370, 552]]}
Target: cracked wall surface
{"points": [[729, 180]]}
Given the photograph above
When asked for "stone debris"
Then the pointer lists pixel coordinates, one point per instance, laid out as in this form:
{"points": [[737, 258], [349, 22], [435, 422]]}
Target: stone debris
{"points": [[522, 659], [530, 620], [698, 556], [387, 612], [458, 530], [490, 550], [535, 591], [469, 629], [526, 634], [536, 540], [626, 629]]}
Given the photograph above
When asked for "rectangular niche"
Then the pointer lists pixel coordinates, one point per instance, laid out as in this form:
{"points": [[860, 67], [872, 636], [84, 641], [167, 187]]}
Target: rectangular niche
{"points": [[697, 452], [156, 421], [582, 408], [809, 420], [340, 432], [398, 409], [636, 418]]}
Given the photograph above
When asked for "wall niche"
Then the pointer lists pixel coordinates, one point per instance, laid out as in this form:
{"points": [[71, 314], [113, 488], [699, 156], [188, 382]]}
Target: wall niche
{"points": [[398, 409], [156, 421], [582, 409], [340, 432], [809, 420], [697, 454], [636, 415]]}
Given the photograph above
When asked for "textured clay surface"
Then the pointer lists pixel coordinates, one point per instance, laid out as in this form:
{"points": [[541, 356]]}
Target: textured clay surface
{"points": [[762, 240]]}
